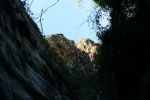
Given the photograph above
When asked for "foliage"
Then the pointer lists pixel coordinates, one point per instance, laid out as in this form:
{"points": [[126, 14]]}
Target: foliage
{"points": [[27, 6], [101, 3], [125, 51]]}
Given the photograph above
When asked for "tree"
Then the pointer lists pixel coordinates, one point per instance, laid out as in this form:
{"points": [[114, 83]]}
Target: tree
{"points": [[124, 59]]}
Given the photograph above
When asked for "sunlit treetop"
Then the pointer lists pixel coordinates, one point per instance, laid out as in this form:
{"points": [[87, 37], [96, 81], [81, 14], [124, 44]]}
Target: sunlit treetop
{"points": [[101, 3], [112, 3]]}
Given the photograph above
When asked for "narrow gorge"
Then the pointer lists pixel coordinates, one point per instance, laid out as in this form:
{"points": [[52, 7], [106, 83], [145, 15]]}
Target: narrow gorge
{"points": [[36, 68]]}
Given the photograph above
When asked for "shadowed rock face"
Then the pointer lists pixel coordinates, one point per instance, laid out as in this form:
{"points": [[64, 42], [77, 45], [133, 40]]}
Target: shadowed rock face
{"points": [[26, 70]]}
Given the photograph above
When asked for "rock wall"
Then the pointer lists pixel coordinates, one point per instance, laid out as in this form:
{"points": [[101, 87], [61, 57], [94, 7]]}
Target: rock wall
{"points": [[26, 69]]}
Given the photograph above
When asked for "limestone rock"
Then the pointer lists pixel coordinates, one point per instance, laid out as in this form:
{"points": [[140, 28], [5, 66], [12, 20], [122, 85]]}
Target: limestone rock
{"points": [[88, 46], [76, 64], [77, 56]]}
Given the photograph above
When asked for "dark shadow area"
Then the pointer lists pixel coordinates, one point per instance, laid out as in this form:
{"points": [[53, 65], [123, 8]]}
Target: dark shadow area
{"points": [[125, 51]]}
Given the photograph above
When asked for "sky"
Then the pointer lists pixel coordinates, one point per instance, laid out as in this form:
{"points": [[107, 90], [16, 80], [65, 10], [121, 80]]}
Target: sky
{"points": [[66, 17]]}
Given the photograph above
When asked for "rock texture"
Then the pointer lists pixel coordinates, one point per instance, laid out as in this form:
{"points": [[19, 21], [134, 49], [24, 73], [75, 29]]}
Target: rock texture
{"points": [[26, 69], [75, 62], [77, 56], [88, 46]]}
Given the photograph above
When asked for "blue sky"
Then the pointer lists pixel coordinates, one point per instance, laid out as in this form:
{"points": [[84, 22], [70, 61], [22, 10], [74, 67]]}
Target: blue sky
{"points": [[66, 17]]}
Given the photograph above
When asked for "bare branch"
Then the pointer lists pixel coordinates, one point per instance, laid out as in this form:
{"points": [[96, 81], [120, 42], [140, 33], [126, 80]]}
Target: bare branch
{"points": [[50, 6], [42, 12], [31, 3], [41, 21]]}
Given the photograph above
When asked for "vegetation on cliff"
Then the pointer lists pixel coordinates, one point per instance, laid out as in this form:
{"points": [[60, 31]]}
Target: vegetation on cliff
{"points": [[76, 64]]}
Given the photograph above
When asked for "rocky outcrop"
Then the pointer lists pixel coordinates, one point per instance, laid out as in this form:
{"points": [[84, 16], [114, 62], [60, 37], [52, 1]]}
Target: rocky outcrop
{"points": [[27, 71], [77, 56], [75, 62], [88, 46]]}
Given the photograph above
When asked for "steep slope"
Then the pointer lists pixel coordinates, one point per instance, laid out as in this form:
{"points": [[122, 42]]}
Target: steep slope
{"points": [[75, 62], [26, 69]]}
